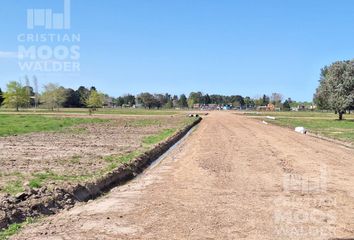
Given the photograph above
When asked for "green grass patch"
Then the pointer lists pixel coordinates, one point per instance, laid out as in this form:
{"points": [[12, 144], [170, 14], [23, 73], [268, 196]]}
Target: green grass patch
{"points": [[20, 124], [14, 187], [116, 160], [300, 114], [342, 130], [39, 179], [119, 111], [14, 229], [154, 139], [325, 124], [144, 123]]}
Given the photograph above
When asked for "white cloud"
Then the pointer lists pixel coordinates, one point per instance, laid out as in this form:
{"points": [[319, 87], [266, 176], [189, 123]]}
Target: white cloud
{"points": [[5, 54]]}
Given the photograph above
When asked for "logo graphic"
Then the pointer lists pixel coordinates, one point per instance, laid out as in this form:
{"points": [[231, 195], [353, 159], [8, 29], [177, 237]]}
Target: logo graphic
{"points": [[50, 47], [305, 210], [49, 20]]}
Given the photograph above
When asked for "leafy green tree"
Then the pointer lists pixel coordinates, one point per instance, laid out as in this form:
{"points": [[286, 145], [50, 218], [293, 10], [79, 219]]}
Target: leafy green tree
{"points": [[54, 96], [83, 94], [237, 101], [265, 100], [73, 98], [161, 99], [321, 96], [249, 102], [16, 96], [182, 101], [194, 98], [206, 99], [191, 102], [286, 105], [169, 104], [119, 101], [95, 100], [129, 100], [338, 87], [148, 100], [217, 99]]}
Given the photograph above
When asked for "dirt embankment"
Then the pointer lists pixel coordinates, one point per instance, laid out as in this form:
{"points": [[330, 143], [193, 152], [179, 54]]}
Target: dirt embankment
{"points": [[36, 202]]}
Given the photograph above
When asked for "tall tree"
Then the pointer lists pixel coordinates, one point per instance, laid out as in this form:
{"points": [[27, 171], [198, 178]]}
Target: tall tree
{"points": [[194, 98], [237, 101], [276, 99], [73, 98], [54, 96], [286, 105], [95, 100], [83, 94], [206, 99], [161, 99], [265, 100], [16, 95], [321, 96], [148, 100], [249, 102], [169, 104], [119, 101], [182, 102], [338, 87], [129, 100]]}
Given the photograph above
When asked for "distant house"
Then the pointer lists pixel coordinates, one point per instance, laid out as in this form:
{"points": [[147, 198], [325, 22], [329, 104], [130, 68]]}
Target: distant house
{"points": [[196, 106], [108, 102], [269, 107], [303, 108], [211, 106]]}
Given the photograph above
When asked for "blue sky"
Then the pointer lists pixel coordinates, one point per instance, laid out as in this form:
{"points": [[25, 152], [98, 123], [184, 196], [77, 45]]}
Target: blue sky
{"points": [[219, 46]]}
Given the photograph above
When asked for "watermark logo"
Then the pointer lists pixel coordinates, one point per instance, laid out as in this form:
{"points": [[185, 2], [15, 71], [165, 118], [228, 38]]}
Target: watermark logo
{"points": [[306, 209], [49, 20], [305, 184], [50, 46]]}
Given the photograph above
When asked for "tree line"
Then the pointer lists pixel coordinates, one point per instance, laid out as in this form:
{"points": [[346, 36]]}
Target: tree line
{"points": [[54, 96]]}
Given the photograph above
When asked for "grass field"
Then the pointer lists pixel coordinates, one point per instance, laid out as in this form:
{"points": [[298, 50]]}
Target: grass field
{"points": [[19, 124], [325, 124], [119, 111], [64, 149]]}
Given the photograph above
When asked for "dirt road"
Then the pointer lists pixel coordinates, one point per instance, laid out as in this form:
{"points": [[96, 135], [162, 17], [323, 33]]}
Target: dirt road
{"points": [[232, 178]]}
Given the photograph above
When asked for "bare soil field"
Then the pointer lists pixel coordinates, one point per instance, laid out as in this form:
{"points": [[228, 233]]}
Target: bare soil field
{"points": [[79, 152], [232, 178]]}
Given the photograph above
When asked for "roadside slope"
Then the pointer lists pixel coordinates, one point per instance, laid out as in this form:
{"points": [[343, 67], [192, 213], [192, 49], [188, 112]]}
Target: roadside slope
{"points": [[227, 180]]}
